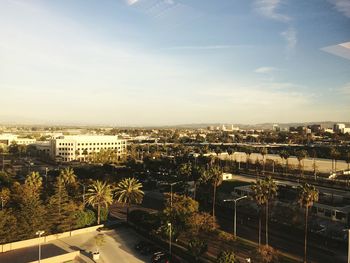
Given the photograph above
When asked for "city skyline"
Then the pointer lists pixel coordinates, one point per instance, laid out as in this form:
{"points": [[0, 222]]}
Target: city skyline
{"points": [[168, 62]]}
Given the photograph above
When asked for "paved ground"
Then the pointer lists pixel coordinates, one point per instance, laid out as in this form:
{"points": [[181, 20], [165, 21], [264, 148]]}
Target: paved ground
{"points": [[118, 247], [323, 165]]}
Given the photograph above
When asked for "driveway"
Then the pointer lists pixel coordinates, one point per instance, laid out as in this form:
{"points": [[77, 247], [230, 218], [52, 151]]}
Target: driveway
{"points": [[118, 247]]}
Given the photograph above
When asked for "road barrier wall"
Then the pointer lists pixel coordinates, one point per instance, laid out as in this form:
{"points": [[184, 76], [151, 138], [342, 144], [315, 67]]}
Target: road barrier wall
{"points": [[45, 239], [61, 258]]}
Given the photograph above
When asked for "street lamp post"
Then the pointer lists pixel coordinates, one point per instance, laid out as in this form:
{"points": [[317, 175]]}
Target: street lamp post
{"points": [[40, 233], [235, 213], [170, 233]]}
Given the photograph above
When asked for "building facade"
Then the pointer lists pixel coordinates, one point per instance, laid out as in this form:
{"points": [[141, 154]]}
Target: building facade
{"points": [[8, 139], [83, 147]]}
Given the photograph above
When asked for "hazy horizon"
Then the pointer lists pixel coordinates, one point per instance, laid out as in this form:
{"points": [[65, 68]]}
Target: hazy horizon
{"points": [[171, 62]]}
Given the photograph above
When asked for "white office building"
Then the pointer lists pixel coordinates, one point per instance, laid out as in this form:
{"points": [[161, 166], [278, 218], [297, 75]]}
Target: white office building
{"points": [[81, 147], [8, 139]]}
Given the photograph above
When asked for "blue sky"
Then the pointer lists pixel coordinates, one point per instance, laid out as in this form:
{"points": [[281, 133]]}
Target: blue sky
{"points": [[155, 62]]}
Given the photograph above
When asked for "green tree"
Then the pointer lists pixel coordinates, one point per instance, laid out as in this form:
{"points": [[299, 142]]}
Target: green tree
{"points": [[308, 194], [34, 181], [179, 212], [226, 257], [8, 226], [185, 170], [196, 248], [61, 210], [4, 197], [128, 191], [29, 211], [99, 195]]}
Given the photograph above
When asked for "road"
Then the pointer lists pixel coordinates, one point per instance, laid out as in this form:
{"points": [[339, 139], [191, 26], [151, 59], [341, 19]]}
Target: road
{"points": [[323, 165], [283, 238], [118, 247]]}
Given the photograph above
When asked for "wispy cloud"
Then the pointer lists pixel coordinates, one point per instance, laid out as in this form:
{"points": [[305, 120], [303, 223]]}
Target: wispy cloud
{"points": [[205, 47], [131, 2], [269, 9], [265, 70], [343, 6], [290, 35]]}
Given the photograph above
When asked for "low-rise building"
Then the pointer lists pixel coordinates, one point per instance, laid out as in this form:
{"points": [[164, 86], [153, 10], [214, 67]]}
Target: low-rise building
{"points": [[82, 147], [8, 139]]}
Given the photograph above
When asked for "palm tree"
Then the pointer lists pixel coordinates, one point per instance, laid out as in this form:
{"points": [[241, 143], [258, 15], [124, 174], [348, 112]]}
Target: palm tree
{"points": [[248, 152], [307, 196], [335, 154], [301, 155], [197, 174], [263, 192], [99, 194], [215, 174], [259, 198], [284, 156], [67, 176], [34, 180], [263, 152], [128, 191]]}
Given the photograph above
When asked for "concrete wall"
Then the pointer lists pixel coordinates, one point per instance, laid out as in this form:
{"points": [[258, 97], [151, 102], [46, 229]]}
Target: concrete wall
{"points": [[60, 258], [45, 239]]}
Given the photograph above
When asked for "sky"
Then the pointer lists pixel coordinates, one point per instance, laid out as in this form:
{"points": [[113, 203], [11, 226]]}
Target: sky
{"points": [[164, 62]]}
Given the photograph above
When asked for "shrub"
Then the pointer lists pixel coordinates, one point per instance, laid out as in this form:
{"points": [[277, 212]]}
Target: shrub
{"points": [[85, 218], [226, 257]]}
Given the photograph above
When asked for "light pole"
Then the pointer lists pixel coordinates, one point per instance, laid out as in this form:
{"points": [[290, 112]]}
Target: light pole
{"points": [[40, 233], [170, 230], [235, 213]]}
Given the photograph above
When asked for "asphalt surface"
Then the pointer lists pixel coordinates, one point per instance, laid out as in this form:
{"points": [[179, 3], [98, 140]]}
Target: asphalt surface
{"points": [[118, 247], [281, 237]]}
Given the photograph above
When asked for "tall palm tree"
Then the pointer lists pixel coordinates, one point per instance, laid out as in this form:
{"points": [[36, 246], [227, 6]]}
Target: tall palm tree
{"points": [[301, 155], [248, 151], [99, 194], [335, 154], [215, 174], [128, 191], [259, 198], [307, 196], [263, 152], [284, 156], [263, 192]]}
